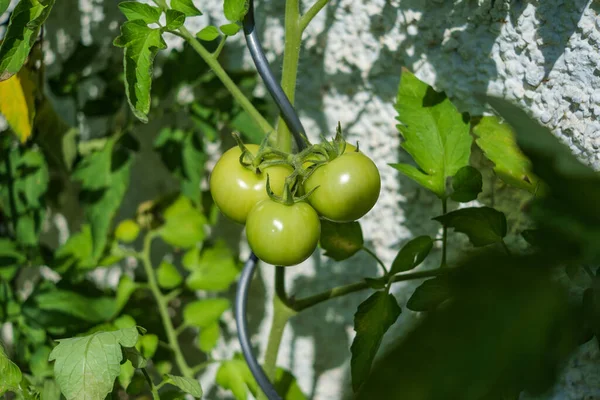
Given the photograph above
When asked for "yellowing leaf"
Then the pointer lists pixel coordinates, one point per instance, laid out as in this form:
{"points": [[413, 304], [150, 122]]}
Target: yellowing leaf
{"points": [[17, 103]]}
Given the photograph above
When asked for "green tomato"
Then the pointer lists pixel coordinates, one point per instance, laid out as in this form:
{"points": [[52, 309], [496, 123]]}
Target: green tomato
{"points": [[348, 187], [236, 189], [127, 231], [283, 235]]}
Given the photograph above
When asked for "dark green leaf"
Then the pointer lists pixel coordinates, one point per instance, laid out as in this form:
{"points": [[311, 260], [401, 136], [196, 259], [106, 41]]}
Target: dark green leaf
{"points": [[75, 357], [10, 373], [467, 184], [376, 284], [23, 29], [235, 10], [185, 6], [230, 29], [213, 270], [135, 357], [208, 337], [429, 295], [175, 19], [10, 254], [203, 313], [341, 240], [91, 309], [188, 385], [483, 225], [208, 34], [435, 134], [167, 275], [134, 10], [372, 320], [497, 140], [412, 254], [184, 224], [141, 45], [4, 5]]}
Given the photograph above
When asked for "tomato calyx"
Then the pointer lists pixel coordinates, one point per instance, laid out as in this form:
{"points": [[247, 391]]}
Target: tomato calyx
{"points": [[290, 188]]}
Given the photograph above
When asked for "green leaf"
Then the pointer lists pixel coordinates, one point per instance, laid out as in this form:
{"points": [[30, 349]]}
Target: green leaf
{"points": [[184, 224], [134, 11], [23, 29], [167, 275], [75, 253], [234, 375], [376, 284], [483, 225], [185, 6], [213, 270], [38, 363], [93, 171], [202, 313], [175, 19], [86, 367], [148, 345], [497, 141], [208, 337], [230, 29], [373, 318], [10, 254], [467, 184], [208, 34], [135, 357], [412, 254], [183, 155], [141, 45], [435, 134], [287, 385], [9, 372], [235, 10], [341, 240], [429, 295], [188, 385], [4, 5], [125, 289], [91, 309]]}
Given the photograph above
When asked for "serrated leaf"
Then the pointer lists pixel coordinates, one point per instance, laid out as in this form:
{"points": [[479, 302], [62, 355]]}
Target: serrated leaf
{"points": [[9, 372], [466, 184], [141, 46], [373, 318], [184, 224], [134, 11], [168, 276], [341, 240], [17, 103], [434, 132], [202, 313], [91, 309], [429, 295], [174, 19], [235, 10], [86, 367], [208, 337], [412, 254], [213, 270], [208, 33], [497, 141], [23, 29], [483, 225], [188, 385], [185, 6], [230, 29]]}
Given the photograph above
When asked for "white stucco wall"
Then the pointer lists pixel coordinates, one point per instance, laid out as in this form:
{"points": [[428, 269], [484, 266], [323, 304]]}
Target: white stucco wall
{"points": [[544, 54]]}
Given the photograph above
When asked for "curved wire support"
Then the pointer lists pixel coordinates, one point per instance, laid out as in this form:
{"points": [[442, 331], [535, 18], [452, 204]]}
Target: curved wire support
{"points": [[291, 119]]}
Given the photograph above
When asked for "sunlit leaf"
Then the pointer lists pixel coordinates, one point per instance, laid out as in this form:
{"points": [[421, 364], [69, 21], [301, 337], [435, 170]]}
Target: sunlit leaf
{"points": [[168, 276], [17, 103], [466, 184], [435, 134], [372, 320], [134, 10], [208, 33], [174, 19], [230, 29], [184, 224], [341, 240], [186, 6], [235, 10], [188, 385], [213, 270], [140, 45], [412, 254], [208, 337], [125, 289], [483, 225], [86, 367], [9, 372], [234, 375], [91, 309], [203, 313]]}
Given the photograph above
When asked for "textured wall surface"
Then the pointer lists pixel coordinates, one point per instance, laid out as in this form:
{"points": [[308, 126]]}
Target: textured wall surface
{"points": [[543, 54]]}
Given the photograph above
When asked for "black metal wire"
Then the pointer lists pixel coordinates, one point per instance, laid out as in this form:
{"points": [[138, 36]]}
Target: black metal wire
{"points": [[288, 113]]}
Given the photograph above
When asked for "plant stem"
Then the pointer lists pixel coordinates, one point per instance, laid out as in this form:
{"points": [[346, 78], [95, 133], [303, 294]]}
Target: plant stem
{"points": [[163, 308], [280, 291], [310, 301], [153, 388], [372, 254], [311, 13], [291, 55], [217, 52], [225, 79], [444, 234], [203, 365]]}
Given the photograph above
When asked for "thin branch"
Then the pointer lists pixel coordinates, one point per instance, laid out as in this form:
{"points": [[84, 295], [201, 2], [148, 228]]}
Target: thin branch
{"points": [[311, 13], [372, 254]]}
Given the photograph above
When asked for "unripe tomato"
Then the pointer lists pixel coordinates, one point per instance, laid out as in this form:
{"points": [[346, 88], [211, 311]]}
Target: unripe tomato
{"points": [[283, 235], [236, 189], [348, 187], [127, 231]]}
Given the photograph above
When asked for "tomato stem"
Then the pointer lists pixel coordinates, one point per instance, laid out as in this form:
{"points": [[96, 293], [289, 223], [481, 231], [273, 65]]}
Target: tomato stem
{"points": [[376, 258], [153, 387], [311, 13]]}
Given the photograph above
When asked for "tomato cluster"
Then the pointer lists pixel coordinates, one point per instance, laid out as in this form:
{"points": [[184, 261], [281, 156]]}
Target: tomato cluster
{"points": [[280, 197]]}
